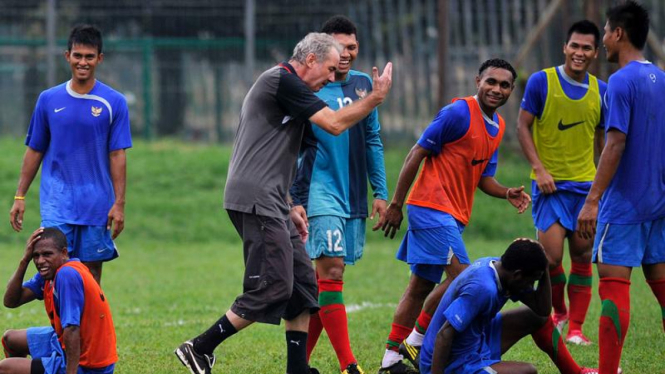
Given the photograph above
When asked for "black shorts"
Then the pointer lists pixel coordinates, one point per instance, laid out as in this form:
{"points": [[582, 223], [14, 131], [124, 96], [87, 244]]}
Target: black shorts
{"points": [[279, 281]]}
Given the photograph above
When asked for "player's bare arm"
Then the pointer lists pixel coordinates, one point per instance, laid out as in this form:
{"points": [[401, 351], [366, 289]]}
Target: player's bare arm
{"points": [[336, 122], [442, 347], [598, 144], [515, 195], [31, 161], [408, 173], [71, 336], [116, 216], [540, 301], [17, 295], [544, 179], [607, 167]]}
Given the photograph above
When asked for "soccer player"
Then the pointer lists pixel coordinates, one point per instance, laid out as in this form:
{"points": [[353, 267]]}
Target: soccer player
{"points": [[279, 281], [81, 338], [468, 333], [78, 133], [331, 186], [562, 108], [629, 221], [460, 152]]}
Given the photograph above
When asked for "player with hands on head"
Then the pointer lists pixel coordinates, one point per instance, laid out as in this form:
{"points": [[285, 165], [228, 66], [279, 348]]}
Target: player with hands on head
{"points": [[459, 152]]}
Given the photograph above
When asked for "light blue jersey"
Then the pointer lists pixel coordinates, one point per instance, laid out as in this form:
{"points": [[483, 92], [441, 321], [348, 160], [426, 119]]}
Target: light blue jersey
{"points": [[76, 133], [333, 170]]}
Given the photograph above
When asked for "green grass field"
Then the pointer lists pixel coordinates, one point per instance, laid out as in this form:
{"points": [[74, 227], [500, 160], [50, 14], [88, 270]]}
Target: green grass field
{"points": [[181, 267]]}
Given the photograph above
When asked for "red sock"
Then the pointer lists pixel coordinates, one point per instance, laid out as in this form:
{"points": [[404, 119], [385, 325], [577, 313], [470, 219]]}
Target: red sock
{"points": [[8, 352], [558, 280], [313, 333], [333, 317], [545, 338], [422, 323], [579, 293], [614, 321], [397, 335], [658, 288]]}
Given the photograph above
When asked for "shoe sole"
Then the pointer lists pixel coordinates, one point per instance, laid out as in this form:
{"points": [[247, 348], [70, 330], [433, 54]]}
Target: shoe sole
{"points": [[183, 360], [407, 353]]}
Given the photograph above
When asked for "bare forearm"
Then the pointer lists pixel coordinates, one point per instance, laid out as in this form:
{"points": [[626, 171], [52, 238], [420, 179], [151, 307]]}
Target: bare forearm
{"points": [[72, 339], [442, 347], [598, 144], [14, 290], [408, 174], [118, 164], [492, 187], [350, 115], [608, 164], [31, 161], [526, 143]]}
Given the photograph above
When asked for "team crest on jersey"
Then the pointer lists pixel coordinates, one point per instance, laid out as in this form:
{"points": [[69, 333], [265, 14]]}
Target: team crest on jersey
{"points": [[361, 93], [96, 111]]}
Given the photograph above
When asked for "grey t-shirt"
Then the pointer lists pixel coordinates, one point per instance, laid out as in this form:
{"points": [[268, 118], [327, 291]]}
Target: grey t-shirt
{"points": [[265, 150]]}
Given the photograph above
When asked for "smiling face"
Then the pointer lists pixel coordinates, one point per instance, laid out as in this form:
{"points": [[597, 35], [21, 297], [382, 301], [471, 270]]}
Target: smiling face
{"points": [[580, 51], [83, 59], [349, 53], [48, 258], [494, 88]]}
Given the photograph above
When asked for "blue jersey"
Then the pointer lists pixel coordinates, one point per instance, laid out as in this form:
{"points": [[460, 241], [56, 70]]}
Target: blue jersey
{"points": [[635, 107], [451, 124], [535, 96], [471, 302], [333, 170], [68, 296], [76, 132]]}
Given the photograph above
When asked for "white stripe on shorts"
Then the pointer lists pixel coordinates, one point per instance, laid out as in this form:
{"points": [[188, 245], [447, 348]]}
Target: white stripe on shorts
{"points": [[600, 244]]}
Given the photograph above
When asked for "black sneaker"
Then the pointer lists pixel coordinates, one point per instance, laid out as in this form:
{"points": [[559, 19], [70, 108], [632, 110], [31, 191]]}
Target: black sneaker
{"points": [[313, 371], [398, 368], [196, 363], [411, 353], [353, 369]]}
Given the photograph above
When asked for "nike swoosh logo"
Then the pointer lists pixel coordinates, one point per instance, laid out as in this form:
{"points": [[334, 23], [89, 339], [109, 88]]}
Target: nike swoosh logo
{"points": [[58, 110], [476, 162], [101, 250], [562, 126]]}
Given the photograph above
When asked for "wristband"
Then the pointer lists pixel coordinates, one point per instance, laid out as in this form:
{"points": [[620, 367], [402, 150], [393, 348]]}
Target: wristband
{"points": [[19, 197], [507, 193]]}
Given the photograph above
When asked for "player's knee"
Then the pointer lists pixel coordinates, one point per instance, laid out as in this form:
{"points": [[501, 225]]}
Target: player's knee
{"points": [[529, 369], [419, 288], [8, 339], [334, 272]]}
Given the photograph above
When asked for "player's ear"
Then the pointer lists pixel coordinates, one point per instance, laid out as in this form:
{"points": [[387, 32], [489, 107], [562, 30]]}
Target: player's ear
{"points": [[477, 81], [100, 58], [310, 60]]}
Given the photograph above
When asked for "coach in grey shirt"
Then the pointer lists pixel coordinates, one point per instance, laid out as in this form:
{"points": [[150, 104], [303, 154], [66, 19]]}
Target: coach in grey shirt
{"points": [[279, 282]]}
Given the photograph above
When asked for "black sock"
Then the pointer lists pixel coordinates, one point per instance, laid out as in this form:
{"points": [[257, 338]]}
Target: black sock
{"points": [[214, 336], [296, 352]]}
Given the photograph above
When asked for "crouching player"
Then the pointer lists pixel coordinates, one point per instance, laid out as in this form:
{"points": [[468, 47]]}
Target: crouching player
{"points": [[81, 338], [468, 334]]}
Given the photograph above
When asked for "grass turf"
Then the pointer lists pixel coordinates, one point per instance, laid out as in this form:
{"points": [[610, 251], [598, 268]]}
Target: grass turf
{"points": [[181, 267]]}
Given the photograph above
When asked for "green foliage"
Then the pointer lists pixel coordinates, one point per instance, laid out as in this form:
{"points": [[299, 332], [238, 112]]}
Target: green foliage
{"points": [[181, 267]]}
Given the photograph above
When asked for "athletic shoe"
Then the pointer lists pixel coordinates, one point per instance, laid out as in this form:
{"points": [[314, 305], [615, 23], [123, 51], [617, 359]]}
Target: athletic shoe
{"points": [[576, 337], [314, 371], [595, 371], [411, 353], [398, 368], [353, 369], [196, 363], [560, 321]]}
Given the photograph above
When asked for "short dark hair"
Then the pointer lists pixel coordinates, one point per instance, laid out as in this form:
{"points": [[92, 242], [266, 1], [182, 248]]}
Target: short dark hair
{"points": [[85, 35], [54, 234], [499, 64], [526, 255], [584, 27], [339, 25], [633, 18]]}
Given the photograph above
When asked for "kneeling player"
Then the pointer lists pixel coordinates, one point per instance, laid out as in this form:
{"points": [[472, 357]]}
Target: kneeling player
{"points": [[82, 337], [468, 334]]}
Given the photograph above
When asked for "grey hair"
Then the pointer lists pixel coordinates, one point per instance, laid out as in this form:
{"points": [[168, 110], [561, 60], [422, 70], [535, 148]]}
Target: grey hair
{"points": [[317, 43]]}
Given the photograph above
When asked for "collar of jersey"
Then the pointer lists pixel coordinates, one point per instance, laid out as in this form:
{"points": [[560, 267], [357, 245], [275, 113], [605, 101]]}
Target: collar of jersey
{"points": [[496, 276], [570, 80]]}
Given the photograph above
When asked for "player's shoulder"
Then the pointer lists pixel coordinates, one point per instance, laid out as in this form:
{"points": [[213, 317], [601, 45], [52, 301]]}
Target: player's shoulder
{"points": [[458, 109], [539, 76], [109, 93], [359, 75], [54, 91]]}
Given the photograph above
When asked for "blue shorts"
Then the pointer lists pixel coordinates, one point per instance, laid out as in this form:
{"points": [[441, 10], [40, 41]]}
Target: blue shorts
{"points": [[562, 206], [630, 245], [87, 243], [428, 250], [333, 236], [44, 345], [477, 363]]}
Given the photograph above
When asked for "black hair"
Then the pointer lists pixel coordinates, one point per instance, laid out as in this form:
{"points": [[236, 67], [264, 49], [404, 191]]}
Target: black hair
{"points": [[85, 35], [339, 25], [584, 27], [633, 18], [499, 64], [56, 236], [526, 255]]}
